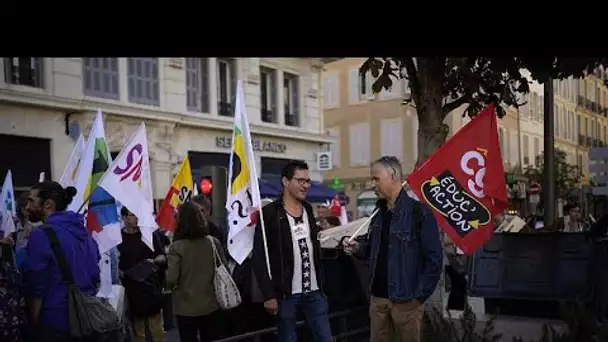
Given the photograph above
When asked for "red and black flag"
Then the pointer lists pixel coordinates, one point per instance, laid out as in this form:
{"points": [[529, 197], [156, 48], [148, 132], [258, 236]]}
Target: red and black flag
{"points": [[463, 182]]}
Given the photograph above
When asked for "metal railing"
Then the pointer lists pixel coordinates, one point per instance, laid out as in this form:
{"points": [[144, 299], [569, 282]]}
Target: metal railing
{"points": [[339, 335]]}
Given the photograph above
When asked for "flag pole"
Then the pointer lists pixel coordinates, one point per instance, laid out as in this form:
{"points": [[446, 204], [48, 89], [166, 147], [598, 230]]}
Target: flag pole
{"points": [[263, 226]]}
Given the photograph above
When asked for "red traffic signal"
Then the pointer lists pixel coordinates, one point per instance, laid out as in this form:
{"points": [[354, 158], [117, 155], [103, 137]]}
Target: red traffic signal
{"points": [[206, 186]]}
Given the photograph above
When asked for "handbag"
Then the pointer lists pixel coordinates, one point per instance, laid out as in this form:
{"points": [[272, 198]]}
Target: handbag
{"points": [[90, 318], [226, 291]]}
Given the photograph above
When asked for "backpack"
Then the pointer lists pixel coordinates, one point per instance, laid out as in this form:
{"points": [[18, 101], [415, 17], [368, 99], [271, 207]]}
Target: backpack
{"points": [[90, 317]]}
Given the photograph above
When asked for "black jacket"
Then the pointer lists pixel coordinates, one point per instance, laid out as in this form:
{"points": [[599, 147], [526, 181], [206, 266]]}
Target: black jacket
{"points": [[280, 250]]}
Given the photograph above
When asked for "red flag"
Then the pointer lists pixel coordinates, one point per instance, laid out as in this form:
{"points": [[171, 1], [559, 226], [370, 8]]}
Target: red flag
{"points": [[335, 207], [463, 182]]}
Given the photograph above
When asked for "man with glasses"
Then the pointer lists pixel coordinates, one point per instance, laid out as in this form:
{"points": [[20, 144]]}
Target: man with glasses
{"points": [[405, 254], [295, 282]]}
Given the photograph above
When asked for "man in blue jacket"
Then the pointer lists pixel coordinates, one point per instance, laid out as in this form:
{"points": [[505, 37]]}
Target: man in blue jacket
{"points": [[406, 258], [46, 290]]}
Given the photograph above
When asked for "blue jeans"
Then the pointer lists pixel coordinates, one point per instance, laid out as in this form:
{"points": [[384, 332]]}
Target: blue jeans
{"points": [[314, 307]]}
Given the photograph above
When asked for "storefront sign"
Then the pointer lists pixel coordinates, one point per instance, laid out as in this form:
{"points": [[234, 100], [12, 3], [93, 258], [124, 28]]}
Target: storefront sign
{"points": [[258, 145]]}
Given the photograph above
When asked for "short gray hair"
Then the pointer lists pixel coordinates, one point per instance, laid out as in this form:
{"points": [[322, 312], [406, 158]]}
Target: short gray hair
{"points": [[391, 163]]}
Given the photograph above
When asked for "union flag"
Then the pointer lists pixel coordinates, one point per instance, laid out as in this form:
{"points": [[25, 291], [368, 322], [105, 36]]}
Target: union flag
{"points": [[463, 182]]}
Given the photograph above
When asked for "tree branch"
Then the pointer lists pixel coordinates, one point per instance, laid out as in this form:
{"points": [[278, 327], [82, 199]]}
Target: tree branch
{"points": [[450, 106], [410, 68]]}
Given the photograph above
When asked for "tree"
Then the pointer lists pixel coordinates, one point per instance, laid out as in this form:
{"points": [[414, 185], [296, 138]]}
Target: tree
{"points": [[567, 176], [440, 85]]}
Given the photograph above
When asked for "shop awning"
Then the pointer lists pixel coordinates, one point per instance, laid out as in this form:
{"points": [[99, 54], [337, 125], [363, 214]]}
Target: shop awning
{"points": [[270, 187]]}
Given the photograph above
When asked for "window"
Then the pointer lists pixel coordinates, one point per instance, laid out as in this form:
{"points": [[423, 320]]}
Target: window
{"points": [[533, 106], [563, 119], [525, 109], [365, 86], [526, 146], [501, 139], [197, 84], [556, 121], [571, 127], [331, 92], [536, 148], [360, 86], [226, 85], [391, 138], [101, 77], [586, 129], [358, 135], [268, 94], [541, 109], [291, 97], [335, 147], [23, 71], [143, 81], [513, 149]]}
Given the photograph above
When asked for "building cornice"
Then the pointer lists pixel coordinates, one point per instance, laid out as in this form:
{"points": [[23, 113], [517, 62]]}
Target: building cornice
{"points": [[43, 100]]}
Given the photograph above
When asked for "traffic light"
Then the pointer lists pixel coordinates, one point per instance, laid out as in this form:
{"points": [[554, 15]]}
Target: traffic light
{"points": [[206, 186], [213, 182]]}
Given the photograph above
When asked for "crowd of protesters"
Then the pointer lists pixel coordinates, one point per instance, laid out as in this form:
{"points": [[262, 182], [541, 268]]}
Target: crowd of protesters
{"points": [[171, 286]]}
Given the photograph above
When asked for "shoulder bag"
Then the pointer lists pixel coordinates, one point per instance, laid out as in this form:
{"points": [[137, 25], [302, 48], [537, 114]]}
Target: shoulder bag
{"points": [[91, 318], [226, 291]]}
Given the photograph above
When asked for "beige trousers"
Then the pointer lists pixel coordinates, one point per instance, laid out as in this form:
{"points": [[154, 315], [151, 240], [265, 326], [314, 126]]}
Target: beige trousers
{"points": [[404, 318]]}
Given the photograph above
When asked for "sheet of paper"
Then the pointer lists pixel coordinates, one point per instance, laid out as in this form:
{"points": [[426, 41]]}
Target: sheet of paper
{"points": [[105, 266]]}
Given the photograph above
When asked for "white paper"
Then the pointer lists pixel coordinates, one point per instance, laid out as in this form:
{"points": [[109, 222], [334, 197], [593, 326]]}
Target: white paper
{"points": [[105, 266]]}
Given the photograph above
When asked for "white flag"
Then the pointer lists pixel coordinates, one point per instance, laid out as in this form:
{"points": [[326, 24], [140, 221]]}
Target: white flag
{"points": [[243, 203], [71, 169], [128, 181], [8, 206], [82, 182]]}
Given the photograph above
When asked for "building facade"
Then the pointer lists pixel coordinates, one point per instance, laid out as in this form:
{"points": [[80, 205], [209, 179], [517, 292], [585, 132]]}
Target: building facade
{"points": [[186, 103], [367, 126]]}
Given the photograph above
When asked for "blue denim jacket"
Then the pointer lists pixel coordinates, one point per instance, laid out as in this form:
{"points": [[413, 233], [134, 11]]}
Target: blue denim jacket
{"points": [[414, 264]]}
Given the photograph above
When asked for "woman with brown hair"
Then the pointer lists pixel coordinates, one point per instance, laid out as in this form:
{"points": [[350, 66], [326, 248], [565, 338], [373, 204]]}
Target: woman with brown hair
{"points": [[190, 276]]}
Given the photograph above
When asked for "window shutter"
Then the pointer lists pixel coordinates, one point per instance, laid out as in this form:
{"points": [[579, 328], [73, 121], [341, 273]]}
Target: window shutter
{"points": [[513, 152], [335, 147], [369, 81], [272, 79], [335, 91], [326, 92], [204, 65], [233, 80], [353, 83]]}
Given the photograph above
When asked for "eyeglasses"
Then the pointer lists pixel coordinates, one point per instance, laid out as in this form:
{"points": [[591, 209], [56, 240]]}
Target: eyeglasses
{"points": [[303, 181]]}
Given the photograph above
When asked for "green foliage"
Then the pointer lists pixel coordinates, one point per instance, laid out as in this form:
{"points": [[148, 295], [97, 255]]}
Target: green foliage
{"points": [[476, 81], [438, 328], [567, 175], [581, 326]]}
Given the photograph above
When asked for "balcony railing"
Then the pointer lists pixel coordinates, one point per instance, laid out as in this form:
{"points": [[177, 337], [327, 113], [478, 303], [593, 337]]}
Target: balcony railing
{"points": [[291, 120], [225, 108], [267, 115]]}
